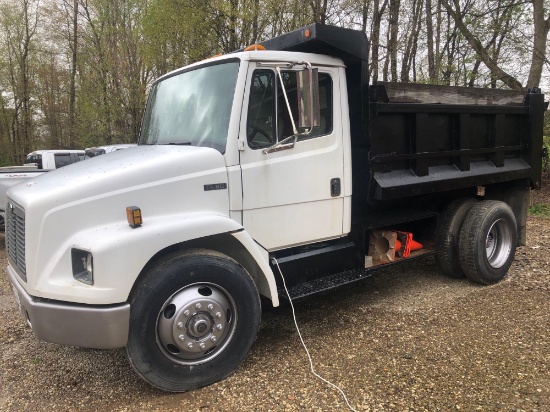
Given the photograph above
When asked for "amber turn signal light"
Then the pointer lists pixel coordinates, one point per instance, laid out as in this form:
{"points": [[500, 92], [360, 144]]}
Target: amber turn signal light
{"points": [[133, 214]]}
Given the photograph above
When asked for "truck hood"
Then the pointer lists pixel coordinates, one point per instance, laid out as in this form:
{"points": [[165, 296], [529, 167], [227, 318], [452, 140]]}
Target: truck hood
{"points": [[166, 182], [135, 170]]}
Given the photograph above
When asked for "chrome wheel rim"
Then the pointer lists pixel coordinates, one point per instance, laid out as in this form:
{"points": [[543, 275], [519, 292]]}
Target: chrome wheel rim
{"points": [[196, 323], [498, 243]]}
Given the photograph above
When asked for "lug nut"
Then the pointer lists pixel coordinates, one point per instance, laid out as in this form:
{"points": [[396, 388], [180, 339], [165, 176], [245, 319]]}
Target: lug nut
{"points": [[180, 325], [218, 315], [219, 326], [198, 306], [210, 307], [202, 345], [190, 345], [181, 337], [213, 339], [186, 312]]}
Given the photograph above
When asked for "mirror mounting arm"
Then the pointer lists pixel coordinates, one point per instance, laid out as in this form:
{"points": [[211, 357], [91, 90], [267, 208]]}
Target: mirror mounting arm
{"points": [[294, 130], [286, 143]]}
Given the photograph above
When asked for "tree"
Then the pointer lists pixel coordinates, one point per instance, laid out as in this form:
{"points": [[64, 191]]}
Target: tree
{"points": [[411, 41], [19, 24], [497, 71], [430, 40], [378, 12], [112, 73], [541, 28], [73, 47]]}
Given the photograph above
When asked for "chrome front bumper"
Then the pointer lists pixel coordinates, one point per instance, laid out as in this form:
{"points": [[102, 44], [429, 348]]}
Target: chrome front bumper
{"points": [[99, 327]]}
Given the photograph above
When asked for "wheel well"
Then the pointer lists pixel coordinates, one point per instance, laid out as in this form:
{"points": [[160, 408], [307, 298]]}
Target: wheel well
{"points": [[223, 243], [516, 194]]}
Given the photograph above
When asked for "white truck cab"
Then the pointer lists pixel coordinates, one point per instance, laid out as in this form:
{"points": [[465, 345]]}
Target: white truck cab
{"points": [[203, 175], [244, 170]]}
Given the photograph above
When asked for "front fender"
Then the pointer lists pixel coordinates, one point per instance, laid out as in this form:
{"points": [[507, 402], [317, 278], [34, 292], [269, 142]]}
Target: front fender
{"points": [[120, 253]]}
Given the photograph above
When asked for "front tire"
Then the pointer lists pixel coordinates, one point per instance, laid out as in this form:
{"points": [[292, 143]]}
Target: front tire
{"points": [[193, 319], [488, 241]]}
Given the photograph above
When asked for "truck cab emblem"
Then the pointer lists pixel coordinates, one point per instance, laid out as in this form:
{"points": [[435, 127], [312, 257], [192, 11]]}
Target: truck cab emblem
{"points": [[215, 186]]}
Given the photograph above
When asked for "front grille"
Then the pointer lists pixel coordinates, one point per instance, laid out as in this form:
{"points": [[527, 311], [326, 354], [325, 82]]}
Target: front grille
{"points": [[15, 237]]}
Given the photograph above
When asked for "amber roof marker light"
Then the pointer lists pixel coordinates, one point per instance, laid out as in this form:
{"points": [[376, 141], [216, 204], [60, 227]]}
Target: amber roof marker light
{"points": [[307, 33], [254, 47], [133, 214]]}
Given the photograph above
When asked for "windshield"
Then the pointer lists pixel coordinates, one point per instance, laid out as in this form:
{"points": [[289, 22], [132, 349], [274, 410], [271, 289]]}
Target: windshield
{"points": [[192, 108], [34, 159]]}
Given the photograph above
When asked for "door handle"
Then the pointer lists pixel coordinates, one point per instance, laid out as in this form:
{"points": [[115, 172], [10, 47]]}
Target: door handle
{"points": [[335, 187]]}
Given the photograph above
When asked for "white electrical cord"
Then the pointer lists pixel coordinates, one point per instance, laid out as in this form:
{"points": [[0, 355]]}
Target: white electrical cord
{"points": [[305, 347]]}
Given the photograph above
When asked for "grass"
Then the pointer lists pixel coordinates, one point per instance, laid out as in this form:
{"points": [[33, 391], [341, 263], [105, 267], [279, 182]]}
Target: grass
{"points": [[540, 210]]}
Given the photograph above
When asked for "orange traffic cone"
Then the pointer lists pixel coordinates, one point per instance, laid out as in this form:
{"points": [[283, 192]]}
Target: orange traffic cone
{"points": [[407, 243], [414, 245], [398, 245]]}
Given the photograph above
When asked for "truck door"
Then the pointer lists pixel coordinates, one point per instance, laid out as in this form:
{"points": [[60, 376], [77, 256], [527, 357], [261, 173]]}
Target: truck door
{"points": [[292, 196]]}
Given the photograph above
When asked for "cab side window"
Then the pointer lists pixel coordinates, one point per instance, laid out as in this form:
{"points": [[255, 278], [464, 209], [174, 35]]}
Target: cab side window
{"points": [[62, 159], [268, 118], [261, 110]]}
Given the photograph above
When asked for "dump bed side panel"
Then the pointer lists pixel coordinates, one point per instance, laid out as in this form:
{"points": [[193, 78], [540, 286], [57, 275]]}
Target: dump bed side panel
{"points": [[426, 139]]}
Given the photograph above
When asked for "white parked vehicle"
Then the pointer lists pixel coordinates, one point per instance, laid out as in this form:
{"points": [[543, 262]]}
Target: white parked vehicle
{"points": [[36, 163], [100, 150], [54, 159], [262, 166], [10, 176]]}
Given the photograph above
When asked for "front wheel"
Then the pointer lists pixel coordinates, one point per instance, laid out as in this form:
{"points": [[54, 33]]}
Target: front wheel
{"points": [[193, 319], [488, 240]]}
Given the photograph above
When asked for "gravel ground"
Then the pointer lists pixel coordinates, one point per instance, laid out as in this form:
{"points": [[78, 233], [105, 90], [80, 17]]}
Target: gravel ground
{"points": [[410, 340]]}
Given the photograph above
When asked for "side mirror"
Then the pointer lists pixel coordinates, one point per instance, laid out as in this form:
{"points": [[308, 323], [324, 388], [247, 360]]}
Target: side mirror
{"points": [[308, 98], [307, 87]]}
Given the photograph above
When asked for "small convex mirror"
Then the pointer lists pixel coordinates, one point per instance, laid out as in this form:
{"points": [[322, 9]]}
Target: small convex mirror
{"points": [[308, 98]]}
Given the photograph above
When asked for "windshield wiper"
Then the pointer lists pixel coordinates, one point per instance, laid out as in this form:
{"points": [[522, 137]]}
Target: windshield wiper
{"points": [[179, 143]]}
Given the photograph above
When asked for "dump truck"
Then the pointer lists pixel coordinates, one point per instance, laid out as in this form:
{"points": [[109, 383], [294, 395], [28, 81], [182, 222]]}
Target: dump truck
{"points": [[268, 174]]}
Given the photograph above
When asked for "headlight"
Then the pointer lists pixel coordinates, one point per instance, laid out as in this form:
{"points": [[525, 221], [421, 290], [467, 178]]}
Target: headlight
{"points": [[83, 266]]}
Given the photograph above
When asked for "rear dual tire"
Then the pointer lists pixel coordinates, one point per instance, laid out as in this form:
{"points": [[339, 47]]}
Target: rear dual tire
{"points": [[477, 240], [487, 242], [448, 231]]}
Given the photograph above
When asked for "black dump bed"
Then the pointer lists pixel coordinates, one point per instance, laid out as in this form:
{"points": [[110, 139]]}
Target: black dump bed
{"points": [[425, 139], [410, 140]]}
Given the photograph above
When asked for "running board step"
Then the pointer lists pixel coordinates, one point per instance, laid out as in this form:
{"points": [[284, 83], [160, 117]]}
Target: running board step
{"points": [[339, 279], [323, 284]]}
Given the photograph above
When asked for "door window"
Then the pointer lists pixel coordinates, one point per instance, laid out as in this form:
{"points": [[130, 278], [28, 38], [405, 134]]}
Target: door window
{"points": [[268, 118], [62, 159]]}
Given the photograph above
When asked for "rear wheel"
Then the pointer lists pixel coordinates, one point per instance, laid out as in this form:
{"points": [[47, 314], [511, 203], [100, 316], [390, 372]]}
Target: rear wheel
{"points": [[193, 319], [448, 232], [488, 241]]}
